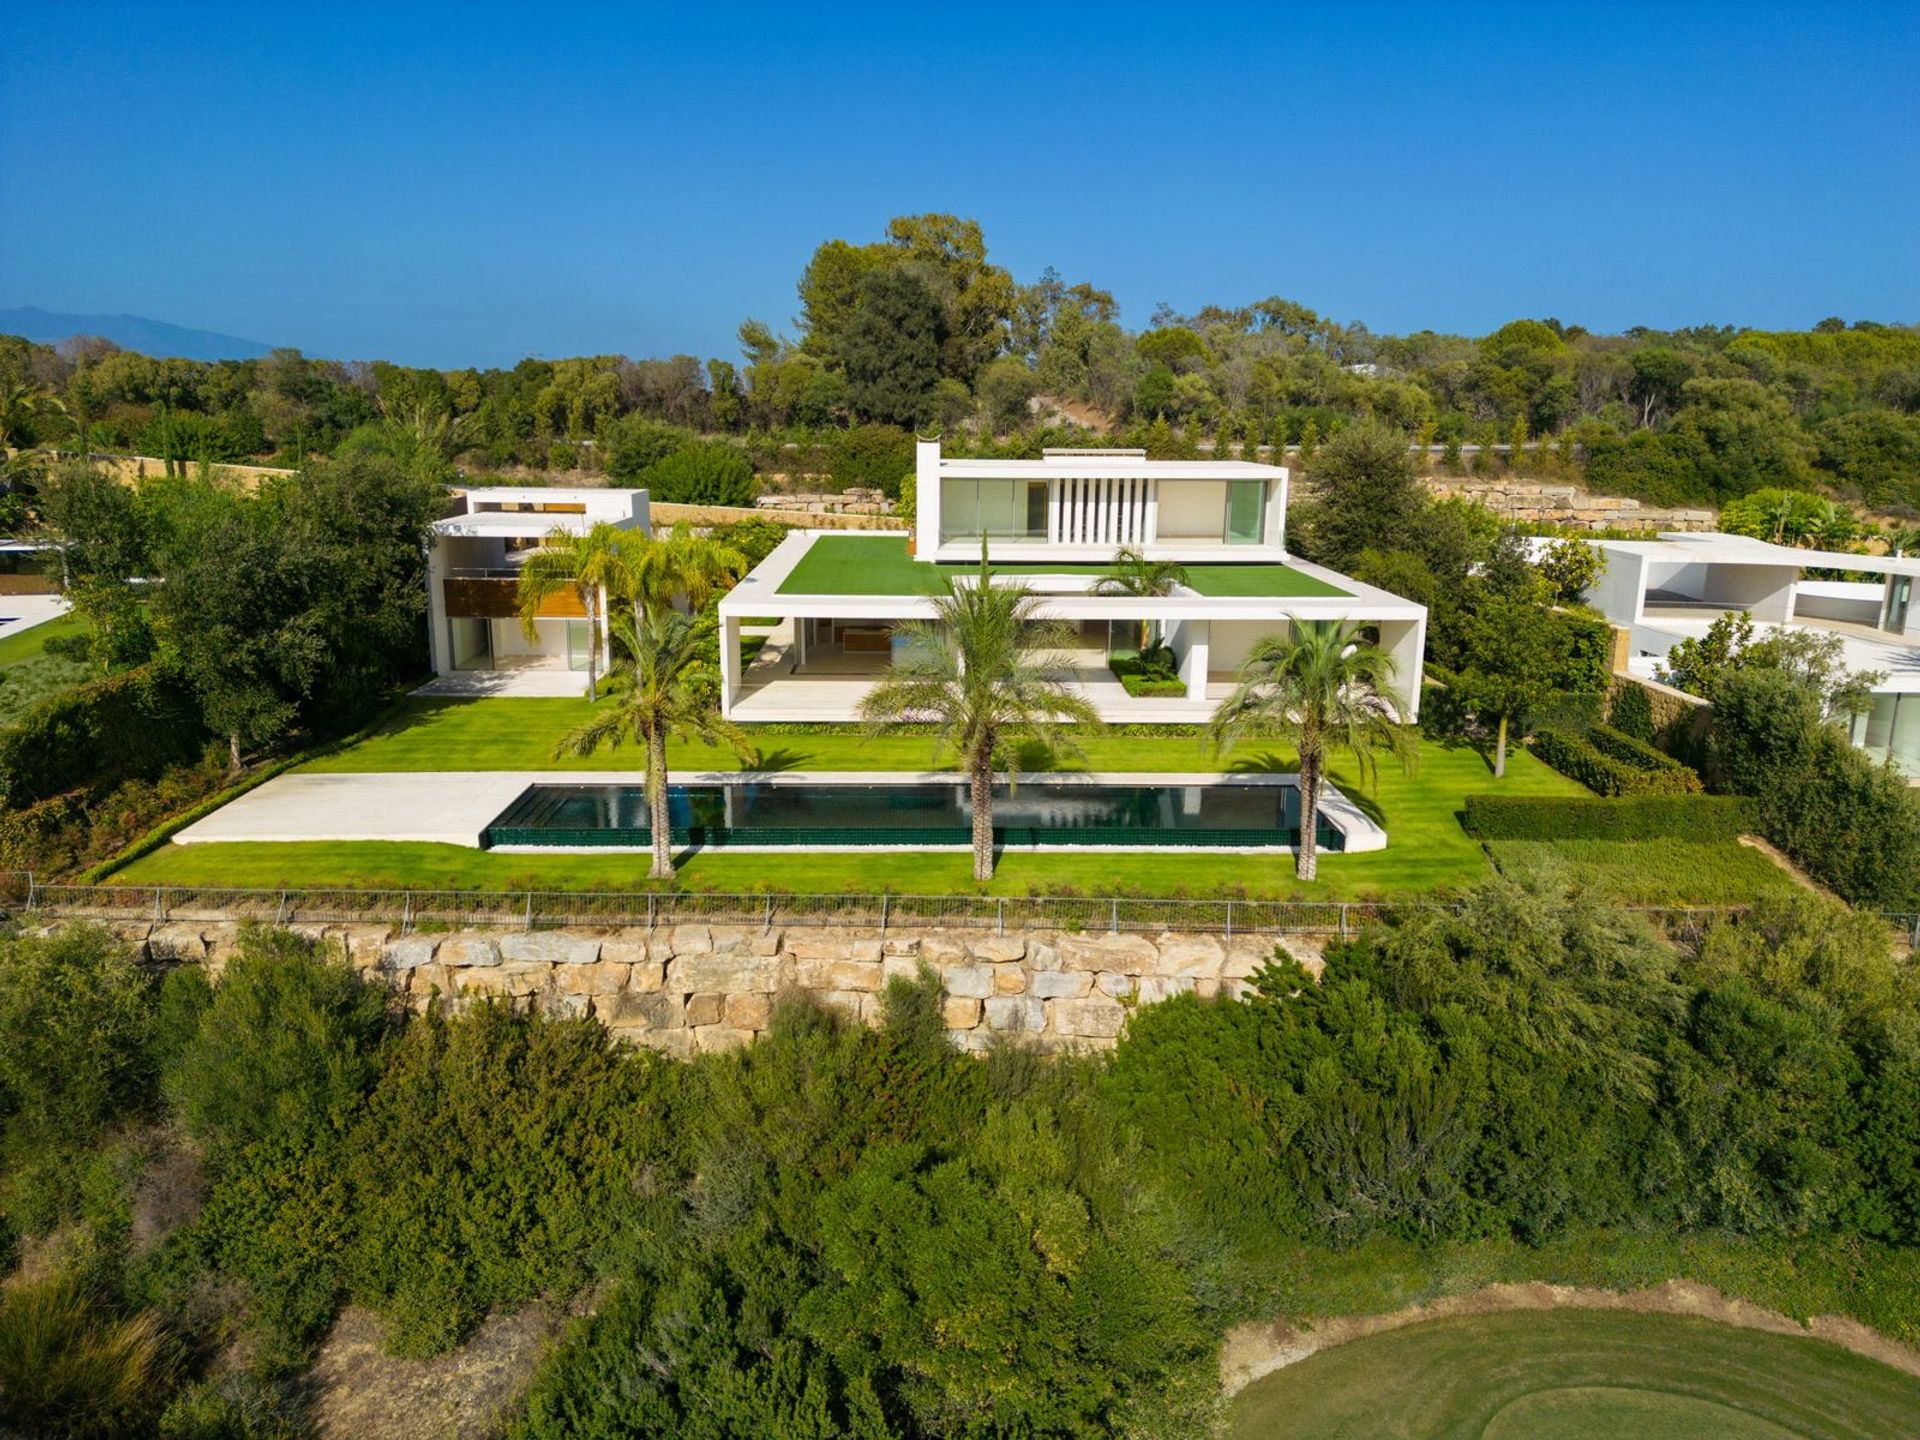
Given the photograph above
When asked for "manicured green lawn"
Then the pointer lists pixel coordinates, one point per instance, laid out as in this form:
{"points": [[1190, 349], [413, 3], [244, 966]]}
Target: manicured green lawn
{"points": [[1664, 871], [29, 675], [1426, 851], [1579, 1375], [880, 565]]}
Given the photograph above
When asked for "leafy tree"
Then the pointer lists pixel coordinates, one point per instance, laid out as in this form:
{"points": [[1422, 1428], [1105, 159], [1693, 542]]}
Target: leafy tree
{"points": [[592, 565], [1571, 567], [1371, 492], [892, 348], [1328, 687], [701, 474], [979, 673], [1812, 659], [635, 444], [1509, 652], [656, 696], [874, 457]]}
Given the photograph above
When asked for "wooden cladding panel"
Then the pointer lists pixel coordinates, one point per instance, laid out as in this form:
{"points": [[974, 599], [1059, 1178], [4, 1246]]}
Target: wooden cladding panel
{"points": [[500, 600]]}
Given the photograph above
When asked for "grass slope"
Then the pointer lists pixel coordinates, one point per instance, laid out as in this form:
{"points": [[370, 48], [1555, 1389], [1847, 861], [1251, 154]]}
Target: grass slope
{"points": [[1662, 871], [29, 675], [1426, 851], [880, 565], [1578, 1375]]}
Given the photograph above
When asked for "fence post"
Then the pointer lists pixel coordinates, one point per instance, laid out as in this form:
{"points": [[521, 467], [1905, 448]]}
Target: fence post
{"points": [[1001, 919], [1229, 919], [529, 922], [1343, 919], [280, 910], [32, 889], [406, 914], [1113, 924], [885, 901], [156, 904]]}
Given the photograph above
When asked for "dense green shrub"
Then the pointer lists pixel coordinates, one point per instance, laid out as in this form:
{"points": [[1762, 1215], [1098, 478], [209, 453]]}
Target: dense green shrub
{"points": [[1703, 819], [285, 1049], [1669, 776], [1852, 824], [1153, 672], [1623, 767], [75, 1022], [135, 724], [754, 538], [874, 457], [500, 1158], [1632, 712], [705, 473]]}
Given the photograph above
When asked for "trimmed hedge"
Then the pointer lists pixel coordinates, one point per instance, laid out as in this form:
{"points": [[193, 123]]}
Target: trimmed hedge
{"points": [[1606, 772], [1698, 818], [1633, 751], [134, 725]]}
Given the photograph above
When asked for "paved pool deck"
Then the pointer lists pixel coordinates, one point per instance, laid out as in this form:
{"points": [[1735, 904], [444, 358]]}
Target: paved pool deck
{"points": [[455, 807]]}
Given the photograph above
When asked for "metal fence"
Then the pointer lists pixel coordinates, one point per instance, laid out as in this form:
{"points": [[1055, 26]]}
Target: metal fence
{"points": [[550, 909]]}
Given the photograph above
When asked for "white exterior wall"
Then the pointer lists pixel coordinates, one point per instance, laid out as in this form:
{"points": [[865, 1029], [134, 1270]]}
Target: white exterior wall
{"points": [[1231, 640], [1620, 591], [1766, 590], [1192, 509]]}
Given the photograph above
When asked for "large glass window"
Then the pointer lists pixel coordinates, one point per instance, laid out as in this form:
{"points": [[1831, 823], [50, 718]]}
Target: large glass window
{"points": [[998, 509], [579, 644], [1246, 511], [1899, 598]]}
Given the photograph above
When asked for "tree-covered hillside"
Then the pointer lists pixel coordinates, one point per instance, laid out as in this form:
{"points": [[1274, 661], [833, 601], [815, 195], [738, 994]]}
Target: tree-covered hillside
{"points": [[920, 329]]}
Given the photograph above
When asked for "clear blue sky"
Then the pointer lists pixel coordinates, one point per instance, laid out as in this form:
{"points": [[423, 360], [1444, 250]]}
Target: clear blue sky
{"points": [[467, 185]]}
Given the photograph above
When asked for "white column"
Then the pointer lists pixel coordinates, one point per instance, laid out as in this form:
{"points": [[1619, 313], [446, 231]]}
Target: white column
{"points": [[1152, 534], [926, 493], [604, 640], [1053, 511], [1194, 668], [439, 642], [729, 662], [1404, 641]]}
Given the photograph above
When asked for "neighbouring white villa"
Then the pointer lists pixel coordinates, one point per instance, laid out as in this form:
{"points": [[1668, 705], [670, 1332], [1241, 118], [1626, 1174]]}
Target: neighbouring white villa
{"points": [[827, 604], [473, 574], [1671, 589]]}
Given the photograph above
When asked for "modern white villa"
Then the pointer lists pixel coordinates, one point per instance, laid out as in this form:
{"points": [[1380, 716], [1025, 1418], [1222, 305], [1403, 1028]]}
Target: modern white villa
{"points": [[473, 573], [828, 603], [1667, 590]]}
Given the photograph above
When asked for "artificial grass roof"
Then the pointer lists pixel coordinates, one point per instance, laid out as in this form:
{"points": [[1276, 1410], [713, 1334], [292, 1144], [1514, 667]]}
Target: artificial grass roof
{"points": [[880, 565]]}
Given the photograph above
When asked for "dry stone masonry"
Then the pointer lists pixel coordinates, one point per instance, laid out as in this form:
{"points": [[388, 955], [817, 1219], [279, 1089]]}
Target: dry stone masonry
{"points": [[690, 989]]}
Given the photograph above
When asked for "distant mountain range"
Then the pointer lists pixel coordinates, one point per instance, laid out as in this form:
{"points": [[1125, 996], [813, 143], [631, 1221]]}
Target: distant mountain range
{"points": [[130, 332]]}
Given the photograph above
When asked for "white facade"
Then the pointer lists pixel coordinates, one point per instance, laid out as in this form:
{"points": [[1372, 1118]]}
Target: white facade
{"points": [[1087, 505], [821, 653], [1672, 589], [473, 566]]}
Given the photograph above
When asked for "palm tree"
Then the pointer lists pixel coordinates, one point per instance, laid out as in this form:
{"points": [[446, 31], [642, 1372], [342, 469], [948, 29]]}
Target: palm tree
{"points": [[663, 690], [1134, 574], [1327, 687], [659, 571], [590, 564], [976, 672]]}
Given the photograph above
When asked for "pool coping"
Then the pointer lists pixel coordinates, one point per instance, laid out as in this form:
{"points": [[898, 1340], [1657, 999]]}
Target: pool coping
{"points": [[456, 807]]}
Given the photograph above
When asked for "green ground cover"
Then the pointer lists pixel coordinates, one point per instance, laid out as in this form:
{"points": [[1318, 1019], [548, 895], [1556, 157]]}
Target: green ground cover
{"points": [[880, 565], [1664, 870], [29, 675], [1579, 1375], [1426, 851]]}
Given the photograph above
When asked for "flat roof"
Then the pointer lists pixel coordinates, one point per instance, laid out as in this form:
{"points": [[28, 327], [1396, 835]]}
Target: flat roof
{"points": [[1712, 548], [525, 525], [1094, 465], [878, 564]]}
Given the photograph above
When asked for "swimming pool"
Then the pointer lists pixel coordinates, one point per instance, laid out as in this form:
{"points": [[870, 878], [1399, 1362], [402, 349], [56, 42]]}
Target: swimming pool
{"points": [[1254, 813]]}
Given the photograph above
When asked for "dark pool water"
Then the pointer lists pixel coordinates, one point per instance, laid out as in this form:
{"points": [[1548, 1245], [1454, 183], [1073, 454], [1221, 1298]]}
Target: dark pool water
{"points": [[917, 813]]}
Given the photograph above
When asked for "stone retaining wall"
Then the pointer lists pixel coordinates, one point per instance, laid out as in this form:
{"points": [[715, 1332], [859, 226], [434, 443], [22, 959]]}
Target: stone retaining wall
{"points": [[689, 989]]}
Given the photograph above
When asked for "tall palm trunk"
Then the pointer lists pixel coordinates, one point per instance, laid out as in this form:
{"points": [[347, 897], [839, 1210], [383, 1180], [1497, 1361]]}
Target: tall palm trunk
{"points": [[591, 595], [1306, 855], [659, 813], [982, 781], [1500, 751]]}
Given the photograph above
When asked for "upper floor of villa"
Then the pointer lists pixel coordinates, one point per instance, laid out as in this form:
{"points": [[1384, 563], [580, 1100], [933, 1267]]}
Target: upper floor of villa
{"points": [[1088, 505]]}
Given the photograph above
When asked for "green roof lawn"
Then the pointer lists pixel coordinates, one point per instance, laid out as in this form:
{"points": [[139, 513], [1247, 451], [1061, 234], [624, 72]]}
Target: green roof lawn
{"points": [[880, 565]]}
